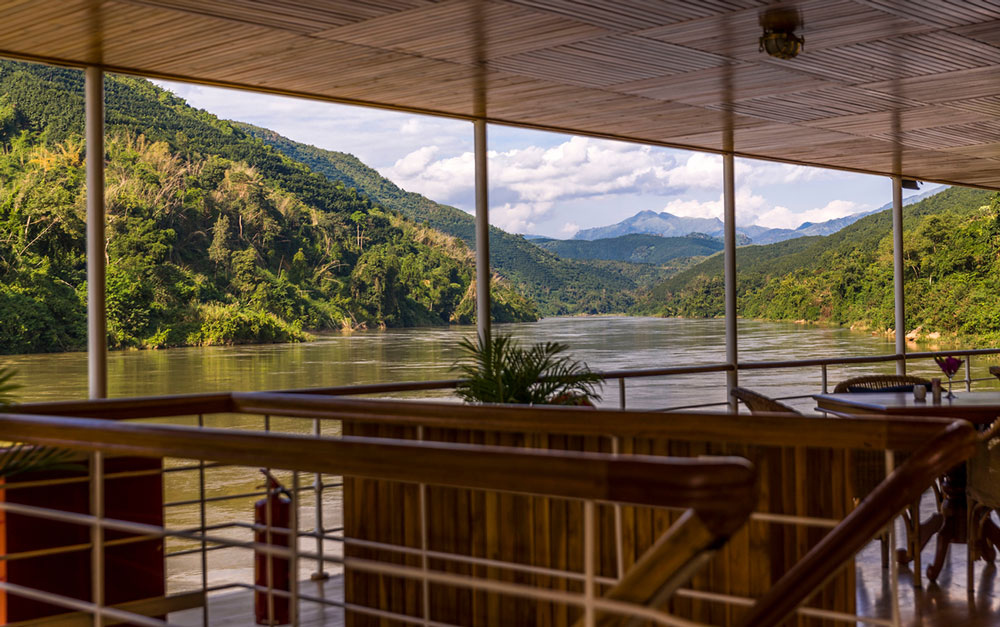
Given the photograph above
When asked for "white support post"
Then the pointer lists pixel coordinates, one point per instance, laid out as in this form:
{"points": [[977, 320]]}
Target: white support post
{"points": [[729, 241], [482, 233], [97, 335], [897, 271]]}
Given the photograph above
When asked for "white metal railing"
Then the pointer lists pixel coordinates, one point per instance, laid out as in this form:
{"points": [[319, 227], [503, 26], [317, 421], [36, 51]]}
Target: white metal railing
{"points": [[208, 539], [621, 376]]}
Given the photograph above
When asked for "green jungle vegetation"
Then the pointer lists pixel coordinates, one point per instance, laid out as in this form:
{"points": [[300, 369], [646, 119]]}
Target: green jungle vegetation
{"points": [[634, 248], [212, 236], [558, 285], [952, 265]]}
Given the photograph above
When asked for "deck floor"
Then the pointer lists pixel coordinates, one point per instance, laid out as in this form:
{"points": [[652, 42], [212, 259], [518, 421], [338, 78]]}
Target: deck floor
{"points": [[235, 609], [940, 604]]}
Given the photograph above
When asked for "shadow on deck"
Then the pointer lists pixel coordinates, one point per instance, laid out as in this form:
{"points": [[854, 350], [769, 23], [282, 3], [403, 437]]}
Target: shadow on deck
{"points": [[235, 608], [944, 603]]}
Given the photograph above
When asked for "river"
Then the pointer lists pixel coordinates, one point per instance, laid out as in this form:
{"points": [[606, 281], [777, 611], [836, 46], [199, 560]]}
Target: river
{"points": [[604, 343]]}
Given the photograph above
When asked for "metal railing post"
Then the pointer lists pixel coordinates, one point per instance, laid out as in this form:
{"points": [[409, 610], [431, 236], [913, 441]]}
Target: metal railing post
{"points": [[482, 231], [729, 240], [897, 272], [97, 536], [826, 385], [293, 558], [589, 566], [968, 373], [621, 393], [97, 324], [320, 573], [619, 525], [203, 524], [425, 592]]}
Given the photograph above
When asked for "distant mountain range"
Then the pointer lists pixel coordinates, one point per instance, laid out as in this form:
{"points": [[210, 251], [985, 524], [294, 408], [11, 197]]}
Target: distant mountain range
{"points": [[667, 224]]}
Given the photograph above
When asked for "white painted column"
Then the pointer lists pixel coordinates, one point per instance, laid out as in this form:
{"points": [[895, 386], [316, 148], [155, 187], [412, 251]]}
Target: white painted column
{"points": [[97, 336], [897, 270], [482, 233], [729, 241]]}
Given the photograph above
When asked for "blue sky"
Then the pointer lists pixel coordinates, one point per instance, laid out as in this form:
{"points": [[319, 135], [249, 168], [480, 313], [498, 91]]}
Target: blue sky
{"points": [[548, 183]]}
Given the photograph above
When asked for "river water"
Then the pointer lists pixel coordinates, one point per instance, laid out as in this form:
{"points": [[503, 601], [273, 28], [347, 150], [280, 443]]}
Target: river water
{"points": [[604, 343]]}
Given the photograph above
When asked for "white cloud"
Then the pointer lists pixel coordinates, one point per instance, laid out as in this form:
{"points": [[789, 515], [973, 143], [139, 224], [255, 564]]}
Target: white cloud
{"points": [[375, 136], [545, 182], [518, 217], [748, 206], [569, 229], [539, 177], [784, 218]]}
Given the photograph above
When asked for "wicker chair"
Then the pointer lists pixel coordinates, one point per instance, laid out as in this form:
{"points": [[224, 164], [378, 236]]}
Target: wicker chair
{"points": [[759, 403], [983, 492], [880, 383], [869, 466]]}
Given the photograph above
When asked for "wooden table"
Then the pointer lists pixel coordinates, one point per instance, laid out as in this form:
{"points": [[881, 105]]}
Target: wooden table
{"points": [[980, 408], [976, 407]]}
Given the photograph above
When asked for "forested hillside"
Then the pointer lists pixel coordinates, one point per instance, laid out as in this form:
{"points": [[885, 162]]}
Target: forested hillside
{"points": [[634, 248], [558, 286], [213, 237], [952, 265]]}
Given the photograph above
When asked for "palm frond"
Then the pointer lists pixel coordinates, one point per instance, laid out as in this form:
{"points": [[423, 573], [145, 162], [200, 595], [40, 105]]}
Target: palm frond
{"points": [[7, 388], [18, 458], [498, 370]]}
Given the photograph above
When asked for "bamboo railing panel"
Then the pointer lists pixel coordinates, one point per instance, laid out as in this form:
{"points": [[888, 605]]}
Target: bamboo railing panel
{"points": [[541, 532]]}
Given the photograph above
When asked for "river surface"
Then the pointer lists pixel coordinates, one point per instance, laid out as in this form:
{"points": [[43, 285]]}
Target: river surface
{"points": [[604, 343]]}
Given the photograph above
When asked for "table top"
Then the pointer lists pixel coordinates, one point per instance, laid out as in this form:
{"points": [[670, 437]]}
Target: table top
{"points": [[978, 407]]}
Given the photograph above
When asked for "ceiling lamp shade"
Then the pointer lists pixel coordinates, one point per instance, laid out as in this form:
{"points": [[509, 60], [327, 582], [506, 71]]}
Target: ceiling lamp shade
{"points": [[781, 44], [779, 39]]}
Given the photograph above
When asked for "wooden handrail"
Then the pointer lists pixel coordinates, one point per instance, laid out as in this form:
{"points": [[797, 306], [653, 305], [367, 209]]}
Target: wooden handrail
{"points": [[902, 434], [714, 487], [136, 407], [955, 445]]}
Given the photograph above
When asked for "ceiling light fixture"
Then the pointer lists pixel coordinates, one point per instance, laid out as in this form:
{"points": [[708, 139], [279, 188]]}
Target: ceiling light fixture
{"points": [[779, 39]]}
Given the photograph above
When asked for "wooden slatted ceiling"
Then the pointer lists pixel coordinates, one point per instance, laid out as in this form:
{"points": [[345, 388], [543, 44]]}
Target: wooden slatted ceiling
{"points": [[880, 83], [608, 61], [939, 13], [826, 23], [635, 15], [300, 16], [906, 56], [440, 31]]}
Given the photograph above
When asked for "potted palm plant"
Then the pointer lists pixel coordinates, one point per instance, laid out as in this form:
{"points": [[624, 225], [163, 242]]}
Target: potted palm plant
{"points": [[497, 369]]}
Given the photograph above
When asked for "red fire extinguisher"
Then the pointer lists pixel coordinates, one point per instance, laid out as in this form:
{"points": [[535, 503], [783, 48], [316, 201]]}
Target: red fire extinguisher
{"points": [[271, 514]]}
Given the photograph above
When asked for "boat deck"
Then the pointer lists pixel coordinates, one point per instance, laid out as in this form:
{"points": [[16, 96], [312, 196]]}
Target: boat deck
{"points": [[945, 603], [235, 608]]}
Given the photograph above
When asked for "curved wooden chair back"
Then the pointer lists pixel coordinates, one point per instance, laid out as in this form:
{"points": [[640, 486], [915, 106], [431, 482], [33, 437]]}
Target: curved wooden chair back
{"points": [[995, 371], [760, 403], [869, 466], [880, 382]]}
